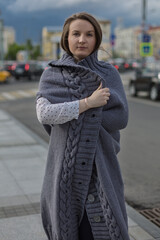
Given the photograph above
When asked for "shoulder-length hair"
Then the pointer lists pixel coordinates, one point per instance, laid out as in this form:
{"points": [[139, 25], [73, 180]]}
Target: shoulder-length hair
{"points": [[83, 16]]}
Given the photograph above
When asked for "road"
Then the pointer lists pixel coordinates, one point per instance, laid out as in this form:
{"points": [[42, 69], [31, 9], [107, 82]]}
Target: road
{"points": [[140, 141]]}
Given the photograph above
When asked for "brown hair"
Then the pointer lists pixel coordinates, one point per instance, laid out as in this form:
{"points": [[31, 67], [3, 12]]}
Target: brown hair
{"points": [[83, 16]]}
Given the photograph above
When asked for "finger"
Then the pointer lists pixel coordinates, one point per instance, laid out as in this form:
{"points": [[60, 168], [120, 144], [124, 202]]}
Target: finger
{"points": [[106, 89], [100, 86]]}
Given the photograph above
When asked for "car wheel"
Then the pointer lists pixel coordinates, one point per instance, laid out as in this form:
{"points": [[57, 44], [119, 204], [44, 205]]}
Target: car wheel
{"points": [[132, 90], [154, 93]]}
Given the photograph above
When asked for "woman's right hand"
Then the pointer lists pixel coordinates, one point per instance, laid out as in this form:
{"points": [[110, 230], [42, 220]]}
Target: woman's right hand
{"points": [[99, 97]]}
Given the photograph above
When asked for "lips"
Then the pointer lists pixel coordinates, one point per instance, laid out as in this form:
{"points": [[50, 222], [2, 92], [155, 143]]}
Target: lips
{"points": [[82, 48]]}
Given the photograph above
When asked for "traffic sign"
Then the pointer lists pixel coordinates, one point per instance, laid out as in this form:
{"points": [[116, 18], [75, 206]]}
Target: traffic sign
{"points": [[112, 39], [146, 38], [146, 49]]}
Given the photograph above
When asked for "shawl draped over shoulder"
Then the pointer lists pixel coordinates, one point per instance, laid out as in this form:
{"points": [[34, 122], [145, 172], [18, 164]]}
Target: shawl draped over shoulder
{"points": [[64, 81]]}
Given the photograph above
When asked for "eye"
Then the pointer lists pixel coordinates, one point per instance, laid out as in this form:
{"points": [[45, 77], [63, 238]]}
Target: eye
{"points": [[89, 34], [75, 34]]}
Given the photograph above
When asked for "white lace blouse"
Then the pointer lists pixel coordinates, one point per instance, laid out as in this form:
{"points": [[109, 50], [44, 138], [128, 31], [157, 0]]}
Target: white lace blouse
{"points": [[51, 114]]}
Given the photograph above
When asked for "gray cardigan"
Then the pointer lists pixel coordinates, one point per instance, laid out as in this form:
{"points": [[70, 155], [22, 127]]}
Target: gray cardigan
{"points": [[82, 170]]}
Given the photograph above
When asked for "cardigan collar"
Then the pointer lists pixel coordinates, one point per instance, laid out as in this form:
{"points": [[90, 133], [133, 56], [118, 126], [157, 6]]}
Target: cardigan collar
{"points": [[68, 60]]}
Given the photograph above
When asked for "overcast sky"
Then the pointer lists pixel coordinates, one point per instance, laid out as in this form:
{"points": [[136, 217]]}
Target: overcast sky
{"points": [[29, 16]]}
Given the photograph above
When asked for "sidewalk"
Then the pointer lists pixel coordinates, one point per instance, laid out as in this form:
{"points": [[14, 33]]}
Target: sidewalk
{"points": [[22, 163]]}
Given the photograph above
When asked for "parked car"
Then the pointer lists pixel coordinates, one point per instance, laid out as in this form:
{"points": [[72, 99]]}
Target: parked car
{"points": [[4, 76], [119, 64], [132, 64], [29, 70], [10, 67], [146, 80]]}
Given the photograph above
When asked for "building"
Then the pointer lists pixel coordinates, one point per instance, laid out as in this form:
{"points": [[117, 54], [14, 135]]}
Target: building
{"points": [[51, 41], [154, 32], [127, 41], [106, 32], [8, 37]]}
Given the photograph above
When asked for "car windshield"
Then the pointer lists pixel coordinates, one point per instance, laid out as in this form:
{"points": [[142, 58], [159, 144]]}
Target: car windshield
{"points": [[20, 66], [149, 72]]}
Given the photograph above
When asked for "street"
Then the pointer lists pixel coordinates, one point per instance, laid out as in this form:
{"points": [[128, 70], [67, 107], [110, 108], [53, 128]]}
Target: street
{"points": [[139, 156]]}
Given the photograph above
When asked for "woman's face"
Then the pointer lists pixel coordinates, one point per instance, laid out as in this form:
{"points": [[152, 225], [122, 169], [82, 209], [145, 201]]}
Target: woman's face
{"points": [[81, 39]]}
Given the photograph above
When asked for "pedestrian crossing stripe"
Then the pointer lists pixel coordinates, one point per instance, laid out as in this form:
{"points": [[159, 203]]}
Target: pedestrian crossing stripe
{"points": [[13, 95]]}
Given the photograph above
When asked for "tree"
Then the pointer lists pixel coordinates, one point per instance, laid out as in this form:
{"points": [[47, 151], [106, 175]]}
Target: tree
{"points": [[12, 51], [36, 52], [33, 51]]}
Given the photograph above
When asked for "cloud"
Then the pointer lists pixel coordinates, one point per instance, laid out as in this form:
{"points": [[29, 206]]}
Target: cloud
{"points": [[37, 5], [110, 9]]}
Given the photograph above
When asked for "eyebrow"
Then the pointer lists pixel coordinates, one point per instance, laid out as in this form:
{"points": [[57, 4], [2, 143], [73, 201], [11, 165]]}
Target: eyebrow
{"points": [[79, 31]]}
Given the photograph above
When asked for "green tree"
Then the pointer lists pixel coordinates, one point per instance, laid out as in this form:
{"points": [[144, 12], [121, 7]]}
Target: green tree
{"points": [[12, 51], [33, 51], [36, 52]]}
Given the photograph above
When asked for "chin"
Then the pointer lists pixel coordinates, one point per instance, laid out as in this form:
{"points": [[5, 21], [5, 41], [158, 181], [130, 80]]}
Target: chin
{"points": [[81, 56]]}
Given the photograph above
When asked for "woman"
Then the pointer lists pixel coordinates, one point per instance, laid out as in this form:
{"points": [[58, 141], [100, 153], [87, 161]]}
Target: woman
{"points": [[82, 105]]}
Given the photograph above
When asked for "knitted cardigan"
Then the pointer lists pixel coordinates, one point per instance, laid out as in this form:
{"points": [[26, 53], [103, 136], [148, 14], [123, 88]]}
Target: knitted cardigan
{"points": [[82, 170]]}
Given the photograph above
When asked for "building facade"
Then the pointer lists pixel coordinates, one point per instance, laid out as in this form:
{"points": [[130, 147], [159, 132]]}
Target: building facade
{"points": [[127, 41], [106, 51], [154, 32], [51, 42], [9, 37]]}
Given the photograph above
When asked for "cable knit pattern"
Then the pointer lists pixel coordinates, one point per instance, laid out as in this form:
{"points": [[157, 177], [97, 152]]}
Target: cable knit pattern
{"points": [[111, 222], [69, 161], [82, 162]]}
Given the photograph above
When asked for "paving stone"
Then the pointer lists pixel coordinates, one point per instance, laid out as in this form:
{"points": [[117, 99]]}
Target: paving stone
{"points": [[11, 134], [131, 223], [4, 116], [139, 234], [22, 228], [14, 200]]}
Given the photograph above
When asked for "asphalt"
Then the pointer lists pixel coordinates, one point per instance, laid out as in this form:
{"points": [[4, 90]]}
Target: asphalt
{"points": [[22, 163]]}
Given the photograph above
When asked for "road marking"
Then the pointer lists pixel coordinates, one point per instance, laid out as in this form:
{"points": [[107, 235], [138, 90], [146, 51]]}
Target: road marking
{"points": [[32, 91], [8, 96], [18, 94], [2, 98], [24, 93]]}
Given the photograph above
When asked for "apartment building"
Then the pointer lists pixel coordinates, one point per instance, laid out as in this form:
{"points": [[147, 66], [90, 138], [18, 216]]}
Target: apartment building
{"points": [[154, 32], [51, 42], [9, 37], [127, 41]]}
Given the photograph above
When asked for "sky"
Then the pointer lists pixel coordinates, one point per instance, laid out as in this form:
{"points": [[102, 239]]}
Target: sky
{"points": [[28, 17]]}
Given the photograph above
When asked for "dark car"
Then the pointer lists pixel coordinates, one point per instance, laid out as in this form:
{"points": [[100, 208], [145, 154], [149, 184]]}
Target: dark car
{"points": [[27, 70], [10, 67], [146, 80], [119, 64]]}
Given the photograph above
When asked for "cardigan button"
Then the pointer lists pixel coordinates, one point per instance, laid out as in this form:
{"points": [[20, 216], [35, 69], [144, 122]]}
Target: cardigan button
{"points": [[97, 218], [91, 198]]}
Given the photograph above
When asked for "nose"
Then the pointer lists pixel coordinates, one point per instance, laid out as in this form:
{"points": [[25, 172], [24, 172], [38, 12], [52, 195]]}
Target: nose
{"points": [[82, 38]]}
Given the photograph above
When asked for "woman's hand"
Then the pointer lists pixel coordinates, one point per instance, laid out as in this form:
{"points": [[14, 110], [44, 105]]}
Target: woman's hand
{"points": [[98, 98]]}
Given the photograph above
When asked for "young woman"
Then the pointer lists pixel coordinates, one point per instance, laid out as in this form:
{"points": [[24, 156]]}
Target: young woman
{"points": [[82, 105]]}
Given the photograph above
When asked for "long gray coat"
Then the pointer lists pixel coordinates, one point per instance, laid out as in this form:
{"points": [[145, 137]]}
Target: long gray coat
{"points": [[82, 170]]}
